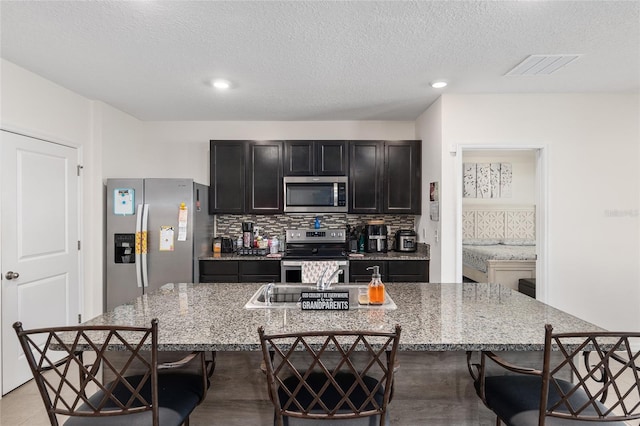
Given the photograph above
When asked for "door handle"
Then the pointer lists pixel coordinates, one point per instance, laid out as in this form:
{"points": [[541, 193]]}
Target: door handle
{"points": [[11, 275]]}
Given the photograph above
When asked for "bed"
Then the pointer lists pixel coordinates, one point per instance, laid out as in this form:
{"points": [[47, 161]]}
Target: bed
{"points": [[498, 244]]}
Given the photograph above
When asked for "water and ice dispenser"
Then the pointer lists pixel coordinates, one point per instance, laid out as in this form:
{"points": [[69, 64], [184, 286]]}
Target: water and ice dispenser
{"points": [[125, 246]]}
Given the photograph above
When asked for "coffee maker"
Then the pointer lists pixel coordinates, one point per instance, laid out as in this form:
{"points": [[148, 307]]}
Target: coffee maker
{"points": [[376, 238], [247, 234]]}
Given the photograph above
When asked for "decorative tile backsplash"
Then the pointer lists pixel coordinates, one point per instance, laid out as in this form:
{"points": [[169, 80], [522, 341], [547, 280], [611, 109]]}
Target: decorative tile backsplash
{"points": [[275, 225]]}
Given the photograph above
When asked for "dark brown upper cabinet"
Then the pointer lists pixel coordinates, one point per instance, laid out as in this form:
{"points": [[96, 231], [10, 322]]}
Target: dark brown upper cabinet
{"points": [[384, 177], [365, 176], [315, 158], [245, 177], [401, 178], [264, 177], [227, 177]]}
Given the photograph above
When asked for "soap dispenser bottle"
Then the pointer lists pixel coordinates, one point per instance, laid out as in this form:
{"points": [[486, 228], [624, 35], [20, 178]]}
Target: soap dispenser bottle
{"points": [[376, 287]]}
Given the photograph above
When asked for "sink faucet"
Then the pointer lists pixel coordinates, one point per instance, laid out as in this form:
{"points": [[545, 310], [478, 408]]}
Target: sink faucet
{"points": [[268, 292], [321, 284]]}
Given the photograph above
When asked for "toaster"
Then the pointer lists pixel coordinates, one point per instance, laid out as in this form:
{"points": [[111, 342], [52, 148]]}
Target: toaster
{"points": [[406, 240], [227, 245]]}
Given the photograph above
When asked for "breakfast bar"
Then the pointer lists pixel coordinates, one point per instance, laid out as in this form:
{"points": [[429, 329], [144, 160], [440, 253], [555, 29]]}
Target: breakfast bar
{"points": [[433, 316]]}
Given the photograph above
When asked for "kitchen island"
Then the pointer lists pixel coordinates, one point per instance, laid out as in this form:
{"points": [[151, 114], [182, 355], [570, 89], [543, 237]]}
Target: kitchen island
{"points": [[434, 317]]}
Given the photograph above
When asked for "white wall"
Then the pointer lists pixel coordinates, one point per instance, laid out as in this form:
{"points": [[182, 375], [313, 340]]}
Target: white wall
{"points": [[181, 149], [45, 109], [592, 144], [523, 166], [429, 130]]}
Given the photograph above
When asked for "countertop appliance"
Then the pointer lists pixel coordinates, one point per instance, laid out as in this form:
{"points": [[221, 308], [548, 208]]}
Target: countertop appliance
{"points": [[247, 234], [315, 194], [375, 238], [156, 230], [306, 245], [227, 245], [406, 240]]}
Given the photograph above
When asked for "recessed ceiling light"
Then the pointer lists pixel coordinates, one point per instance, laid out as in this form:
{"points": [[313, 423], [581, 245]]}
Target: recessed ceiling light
{"points": [[221, 84], [439, 84]]}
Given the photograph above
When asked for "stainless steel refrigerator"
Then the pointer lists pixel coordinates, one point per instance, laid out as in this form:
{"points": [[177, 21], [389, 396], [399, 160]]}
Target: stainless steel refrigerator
{"points": [[155, 231]]}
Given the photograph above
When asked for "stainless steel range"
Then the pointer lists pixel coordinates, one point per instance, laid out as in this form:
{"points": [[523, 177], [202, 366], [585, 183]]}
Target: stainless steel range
{"points": [[305, 245]]}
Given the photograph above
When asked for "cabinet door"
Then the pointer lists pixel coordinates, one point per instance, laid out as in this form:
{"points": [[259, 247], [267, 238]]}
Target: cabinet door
{"points": [[408, 271], [264, 176], [259, 271], [402, 178], [358, 272], [227, 177], [218, 271], [299, 158], [331, 158], [365, 176]]}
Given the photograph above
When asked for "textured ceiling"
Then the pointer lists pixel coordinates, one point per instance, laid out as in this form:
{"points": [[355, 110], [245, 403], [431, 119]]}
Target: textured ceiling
{"points": [[315, 60]]}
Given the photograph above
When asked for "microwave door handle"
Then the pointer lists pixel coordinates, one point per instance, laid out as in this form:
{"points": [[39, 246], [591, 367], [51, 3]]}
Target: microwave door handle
{"points": [[335, 194]]}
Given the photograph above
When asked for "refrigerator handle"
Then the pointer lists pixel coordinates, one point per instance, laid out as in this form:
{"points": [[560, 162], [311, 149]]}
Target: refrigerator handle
{"points": [[139, 244], [145, 233]]}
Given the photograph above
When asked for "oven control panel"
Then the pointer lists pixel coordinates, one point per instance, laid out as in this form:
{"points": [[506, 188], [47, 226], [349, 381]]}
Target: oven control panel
{"points": [[315, 235]]}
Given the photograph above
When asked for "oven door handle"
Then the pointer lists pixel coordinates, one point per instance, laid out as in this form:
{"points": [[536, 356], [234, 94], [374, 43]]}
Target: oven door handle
{"points": [[294, 263]]}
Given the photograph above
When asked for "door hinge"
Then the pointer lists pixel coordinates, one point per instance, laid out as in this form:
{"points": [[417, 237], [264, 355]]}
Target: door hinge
{"points": [[78, 244], [79, 167], [79, 318]]}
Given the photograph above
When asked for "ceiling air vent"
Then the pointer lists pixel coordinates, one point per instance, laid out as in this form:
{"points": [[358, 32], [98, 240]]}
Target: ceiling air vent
{"points": [[542, 64]]}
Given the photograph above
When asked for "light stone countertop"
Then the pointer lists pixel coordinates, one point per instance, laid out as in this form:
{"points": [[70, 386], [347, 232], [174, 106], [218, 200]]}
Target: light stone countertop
{"points": [[434, 317]]}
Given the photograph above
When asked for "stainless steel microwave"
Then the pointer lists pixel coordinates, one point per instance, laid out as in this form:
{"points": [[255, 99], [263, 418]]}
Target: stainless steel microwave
{"points": [[316, 194]]}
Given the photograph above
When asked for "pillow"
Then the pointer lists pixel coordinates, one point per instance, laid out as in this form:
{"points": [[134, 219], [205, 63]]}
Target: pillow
{"points": [[518, 242], [480, 241]]}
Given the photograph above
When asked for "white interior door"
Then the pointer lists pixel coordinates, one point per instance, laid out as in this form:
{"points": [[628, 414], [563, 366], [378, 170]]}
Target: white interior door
{"points": [[39, 255]]}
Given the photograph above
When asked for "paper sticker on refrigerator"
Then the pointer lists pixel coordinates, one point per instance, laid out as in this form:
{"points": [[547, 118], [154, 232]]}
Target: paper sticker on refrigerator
{"points": [[166, 238], [124, 201]]}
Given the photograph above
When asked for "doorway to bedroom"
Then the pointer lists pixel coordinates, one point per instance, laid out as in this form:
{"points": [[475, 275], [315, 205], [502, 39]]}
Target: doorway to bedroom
{"points": [[501, 199]]}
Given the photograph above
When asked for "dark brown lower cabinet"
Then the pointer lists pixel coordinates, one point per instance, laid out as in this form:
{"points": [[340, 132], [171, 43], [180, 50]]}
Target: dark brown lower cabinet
{"points": [[259, 271], [244, 271], [218, 271], [233, 271], [408, 271], [390, 270], [358, 272]]}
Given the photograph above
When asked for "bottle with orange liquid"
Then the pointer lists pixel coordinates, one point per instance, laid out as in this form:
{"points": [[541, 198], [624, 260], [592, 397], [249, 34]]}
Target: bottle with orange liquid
{"points": [[376, 287]]}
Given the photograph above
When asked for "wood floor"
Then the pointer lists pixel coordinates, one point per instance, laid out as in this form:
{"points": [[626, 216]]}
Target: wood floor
{"points": [[431, 389]]}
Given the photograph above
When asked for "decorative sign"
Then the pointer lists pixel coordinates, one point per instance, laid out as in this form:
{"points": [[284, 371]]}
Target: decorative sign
{"points": [[324, 300]]}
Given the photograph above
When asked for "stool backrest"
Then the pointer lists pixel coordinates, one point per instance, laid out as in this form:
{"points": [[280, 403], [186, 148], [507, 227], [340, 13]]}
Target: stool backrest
{"points": [[330, 374], [604, 366], [66, 378]]}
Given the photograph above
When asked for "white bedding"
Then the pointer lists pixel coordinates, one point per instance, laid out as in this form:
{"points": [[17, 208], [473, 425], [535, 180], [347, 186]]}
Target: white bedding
{"points": [[475, 255]]}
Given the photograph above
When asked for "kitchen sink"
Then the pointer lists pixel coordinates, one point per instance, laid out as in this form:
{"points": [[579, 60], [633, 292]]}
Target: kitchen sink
{"points": [[288, 296]]}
